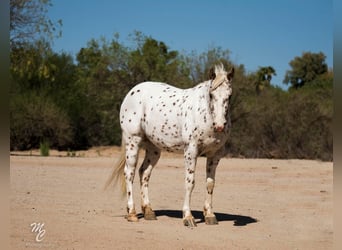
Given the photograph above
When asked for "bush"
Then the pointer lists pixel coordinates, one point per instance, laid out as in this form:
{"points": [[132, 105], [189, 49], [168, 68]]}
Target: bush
{"points": [[34, 118], [44, 148]]}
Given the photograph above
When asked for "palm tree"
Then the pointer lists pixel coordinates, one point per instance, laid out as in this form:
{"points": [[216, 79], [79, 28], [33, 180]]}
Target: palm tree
{"points": [[263, 78]]}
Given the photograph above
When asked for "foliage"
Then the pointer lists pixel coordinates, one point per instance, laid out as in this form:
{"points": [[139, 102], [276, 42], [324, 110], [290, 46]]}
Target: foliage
{"points": [[305, 69], [263, 78], [199, 64], [74, 104], [44, 148], [35, 117], [29, 22]]}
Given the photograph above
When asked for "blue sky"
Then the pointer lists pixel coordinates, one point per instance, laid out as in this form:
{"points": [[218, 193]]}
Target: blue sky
{"points": [[258, 33]]}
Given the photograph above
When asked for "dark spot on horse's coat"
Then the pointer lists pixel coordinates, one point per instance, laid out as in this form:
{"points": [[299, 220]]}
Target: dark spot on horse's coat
{"points": [[129, 193], [138, 90], [132, 93], [129, 120]]}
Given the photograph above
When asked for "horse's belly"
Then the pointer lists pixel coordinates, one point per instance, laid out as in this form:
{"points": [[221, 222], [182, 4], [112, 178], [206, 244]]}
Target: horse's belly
{"points": [[166, 143]]}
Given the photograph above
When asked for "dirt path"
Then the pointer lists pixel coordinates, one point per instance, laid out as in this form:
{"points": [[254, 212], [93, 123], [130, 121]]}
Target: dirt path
{"points": [[260, 204]]}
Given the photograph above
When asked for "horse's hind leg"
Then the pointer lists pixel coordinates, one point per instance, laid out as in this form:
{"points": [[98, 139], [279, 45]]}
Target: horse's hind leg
{"points": [[151, 157], [132, 150]]}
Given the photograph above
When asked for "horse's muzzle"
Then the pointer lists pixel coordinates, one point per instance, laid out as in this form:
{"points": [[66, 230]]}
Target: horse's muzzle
{"points": [[219, 128]]}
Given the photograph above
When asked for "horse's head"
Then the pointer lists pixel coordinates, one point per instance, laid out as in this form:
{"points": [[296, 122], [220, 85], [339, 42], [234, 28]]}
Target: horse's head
{"points": [[219, 93]]}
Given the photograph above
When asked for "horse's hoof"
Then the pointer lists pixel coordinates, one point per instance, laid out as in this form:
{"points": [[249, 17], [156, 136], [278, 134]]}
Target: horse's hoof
{"points": [[149, 214], [132, 218], [210, 220], [189, 221]]}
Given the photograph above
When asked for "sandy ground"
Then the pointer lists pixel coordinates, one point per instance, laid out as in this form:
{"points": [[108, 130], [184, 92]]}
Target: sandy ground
{"points": [[260, 204]]}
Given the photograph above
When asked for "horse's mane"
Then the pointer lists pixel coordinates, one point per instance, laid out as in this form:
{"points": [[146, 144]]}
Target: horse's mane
{"points": [[220, 75], [219, 69]]}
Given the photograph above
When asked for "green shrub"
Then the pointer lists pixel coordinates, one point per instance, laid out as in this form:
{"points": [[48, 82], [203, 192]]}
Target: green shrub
{"points": [[44, 148]]}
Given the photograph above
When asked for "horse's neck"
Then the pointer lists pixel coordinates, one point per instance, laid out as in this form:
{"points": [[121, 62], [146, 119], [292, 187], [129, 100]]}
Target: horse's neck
{"points": [[198, 98]]}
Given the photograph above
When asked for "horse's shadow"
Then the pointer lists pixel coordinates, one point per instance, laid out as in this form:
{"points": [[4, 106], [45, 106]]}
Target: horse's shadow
{"points": [[239, 220]]}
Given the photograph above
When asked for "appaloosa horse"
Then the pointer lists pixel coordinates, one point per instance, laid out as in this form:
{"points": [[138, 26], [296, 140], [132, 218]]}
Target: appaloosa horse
{"points": [[195, 121]]}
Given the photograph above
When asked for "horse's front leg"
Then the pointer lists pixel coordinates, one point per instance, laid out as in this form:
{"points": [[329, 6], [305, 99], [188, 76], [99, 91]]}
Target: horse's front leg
{"points": [[209, 216], [190, 158]]}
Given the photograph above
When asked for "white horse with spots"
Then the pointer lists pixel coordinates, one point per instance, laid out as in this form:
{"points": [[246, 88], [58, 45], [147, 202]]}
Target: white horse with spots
{"points": [[194, 121]]}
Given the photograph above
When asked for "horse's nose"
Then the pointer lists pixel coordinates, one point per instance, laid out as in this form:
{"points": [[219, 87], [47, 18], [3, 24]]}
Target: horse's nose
{"points": [[219, 128]]}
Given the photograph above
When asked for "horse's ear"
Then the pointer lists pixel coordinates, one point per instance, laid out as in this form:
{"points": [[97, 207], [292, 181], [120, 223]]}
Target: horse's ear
{"points": [[230, 74], [212, 74]]}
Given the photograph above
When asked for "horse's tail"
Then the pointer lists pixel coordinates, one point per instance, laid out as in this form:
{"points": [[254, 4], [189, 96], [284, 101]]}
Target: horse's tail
{"points": [[118, 171]]}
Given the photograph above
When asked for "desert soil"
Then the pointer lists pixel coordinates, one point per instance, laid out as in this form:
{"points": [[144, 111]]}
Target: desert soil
{"points": [[259, 203]]}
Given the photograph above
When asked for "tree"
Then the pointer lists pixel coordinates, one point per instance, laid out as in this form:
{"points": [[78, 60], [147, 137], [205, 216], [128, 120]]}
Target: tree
{"points": [[153, 61], [199, 64], [263, 78], [305, 69], [29, 22], [30, 68]]}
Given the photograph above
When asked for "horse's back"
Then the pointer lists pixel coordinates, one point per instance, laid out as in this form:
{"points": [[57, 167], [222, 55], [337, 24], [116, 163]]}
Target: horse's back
{"points": [[147, 102]]}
